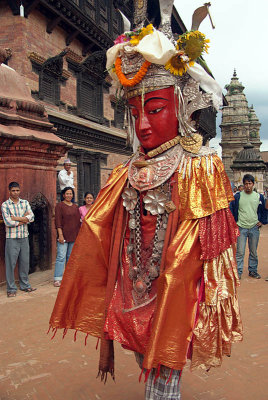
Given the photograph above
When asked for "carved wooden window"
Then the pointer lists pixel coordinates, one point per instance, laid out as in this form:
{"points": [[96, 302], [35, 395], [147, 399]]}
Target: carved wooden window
{"points": [[50, 73], [87, 184], [90, 86], [119, 118], [89, 98], [119, 113], [88, 171], [104, 16], [90, 8], [49, 89], [117, 24]]}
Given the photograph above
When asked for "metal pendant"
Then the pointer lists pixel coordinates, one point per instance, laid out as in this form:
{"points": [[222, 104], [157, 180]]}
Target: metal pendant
{"points": [[140, 286], [155, 256], [153, 272], [160, 246], [132, 223], [130, 248], [133, 272], [161, 234]]}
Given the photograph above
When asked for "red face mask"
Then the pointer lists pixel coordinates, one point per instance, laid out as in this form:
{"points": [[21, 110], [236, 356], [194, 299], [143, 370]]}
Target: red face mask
{"points": [[157, 122]]}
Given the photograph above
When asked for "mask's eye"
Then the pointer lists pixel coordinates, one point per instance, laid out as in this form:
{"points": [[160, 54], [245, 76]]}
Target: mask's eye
{"points": [[156, 110]]}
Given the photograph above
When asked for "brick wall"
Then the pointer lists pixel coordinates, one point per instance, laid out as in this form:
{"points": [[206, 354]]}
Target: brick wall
{"points": [[112, 161], [27, 35]]}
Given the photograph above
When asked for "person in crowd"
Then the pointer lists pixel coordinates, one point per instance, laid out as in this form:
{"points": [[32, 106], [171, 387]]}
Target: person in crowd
{"points": [[240, 188], [67, 220], [88, 201], [153, 266], [66, 177], [17, 214], [248, 209], [234, 190]]}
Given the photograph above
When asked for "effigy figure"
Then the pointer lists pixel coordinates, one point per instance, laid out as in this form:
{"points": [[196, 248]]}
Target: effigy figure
{"points": [[154, 264]]}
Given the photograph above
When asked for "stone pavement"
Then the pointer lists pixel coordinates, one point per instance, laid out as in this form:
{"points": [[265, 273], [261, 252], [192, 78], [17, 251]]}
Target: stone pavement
{"points": [[33, 367]]}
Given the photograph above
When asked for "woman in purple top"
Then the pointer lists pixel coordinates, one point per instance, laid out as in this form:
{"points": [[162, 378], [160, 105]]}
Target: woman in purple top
{"points": [[88, 201], [67, 221]]}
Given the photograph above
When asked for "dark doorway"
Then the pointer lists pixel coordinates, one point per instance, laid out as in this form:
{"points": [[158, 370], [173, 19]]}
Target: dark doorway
{"points": [[39, 235]]}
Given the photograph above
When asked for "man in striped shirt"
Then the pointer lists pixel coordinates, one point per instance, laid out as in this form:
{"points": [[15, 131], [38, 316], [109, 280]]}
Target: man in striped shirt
{"points": [[17, 214]]}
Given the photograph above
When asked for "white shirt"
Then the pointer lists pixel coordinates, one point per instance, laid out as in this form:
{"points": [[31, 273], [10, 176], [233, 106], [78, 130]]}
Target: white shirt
{"points": [[65, 179]]}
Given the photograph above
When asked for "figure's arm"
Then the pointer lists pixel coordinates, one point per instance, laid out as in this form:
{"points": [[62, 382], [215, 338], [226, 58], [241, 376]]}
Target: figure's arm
{"points": [[22, 220], [60, 236], [58, 223], [29, 213], [28, 216], [7, 217], [232, 206], [262, 211]]}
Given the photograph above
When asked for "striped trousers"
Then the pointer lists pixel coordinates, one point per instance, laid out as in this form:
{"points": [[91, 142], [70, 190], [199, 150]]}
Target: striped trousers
{"points": [[161, 388]]}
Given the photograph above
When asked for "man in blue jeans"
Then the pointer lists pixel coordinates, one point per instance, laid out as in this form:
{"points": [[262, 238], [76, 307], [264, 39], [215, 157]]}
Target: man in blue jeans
{"points": [[248, 209]]}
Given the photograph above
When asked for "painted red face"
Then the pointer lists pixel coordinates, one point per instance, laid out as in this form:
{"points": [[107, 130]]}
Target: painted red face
{"points": [[157, 123]]}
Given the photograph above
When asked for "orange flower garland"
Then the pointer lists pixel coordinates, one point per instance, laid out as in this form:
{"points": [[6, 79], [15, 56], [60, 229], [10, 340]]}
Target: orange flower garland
{"points": [[136, 79]]}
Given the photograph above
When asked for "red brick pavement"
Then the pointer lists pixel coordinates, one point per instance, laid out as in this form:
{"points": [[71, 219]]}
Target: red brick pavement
{"points": [[33, 367]]}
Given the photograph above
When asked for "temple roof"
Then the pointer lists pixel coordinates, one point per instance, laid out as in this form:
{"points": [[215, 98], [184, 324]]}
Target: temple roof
{"points": [[13, 85], [234, 86], [248, 159], [252, 115], [21, 116]]}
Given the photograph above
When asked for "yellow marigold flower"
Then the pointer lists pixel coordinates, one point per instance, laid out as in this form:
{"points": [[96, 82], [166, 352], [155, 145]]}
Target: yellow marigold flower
{"points": [[148, 29], [135, 39]]}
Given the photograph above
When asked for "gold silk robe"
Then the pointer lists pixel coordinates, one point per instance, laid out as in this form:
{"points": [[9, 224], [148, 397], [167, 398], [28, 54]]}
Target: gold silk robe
{"points": [[197, 313]]}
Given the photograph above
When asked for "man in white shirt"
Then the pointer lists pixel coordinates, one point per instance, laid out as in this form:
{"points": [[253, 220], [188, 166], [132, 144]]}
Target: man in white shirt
{"points": [[66, 176]]}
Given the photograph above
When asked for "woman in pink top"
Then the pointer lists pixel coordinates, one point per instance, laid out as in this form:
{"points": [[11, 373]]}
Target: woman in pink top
{"points": [[88, 201]]}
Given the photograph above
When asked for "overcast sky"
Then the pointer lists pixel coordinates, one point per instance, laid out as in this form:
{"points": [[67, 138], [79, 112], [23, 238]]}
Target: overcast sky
{"points": [[239, 41]]}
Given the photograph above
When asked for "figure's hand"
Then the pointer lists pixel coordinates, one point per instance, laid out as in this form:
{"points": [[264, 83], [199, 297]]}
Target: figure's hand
{"points": [[259, 224], [61, 239], [23, 220]]}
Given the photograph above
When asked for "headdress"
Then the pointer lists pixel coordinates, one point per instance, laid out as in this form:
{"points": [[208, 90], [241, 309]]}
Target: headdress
{"points": [[146, 59]]}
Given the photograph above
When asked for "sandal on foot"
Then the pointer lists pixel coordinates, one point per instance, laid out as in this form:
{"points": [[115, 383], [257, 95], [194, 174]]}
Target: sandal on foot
{"points": [[11, 294], [57, 283], [28, 290]]}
